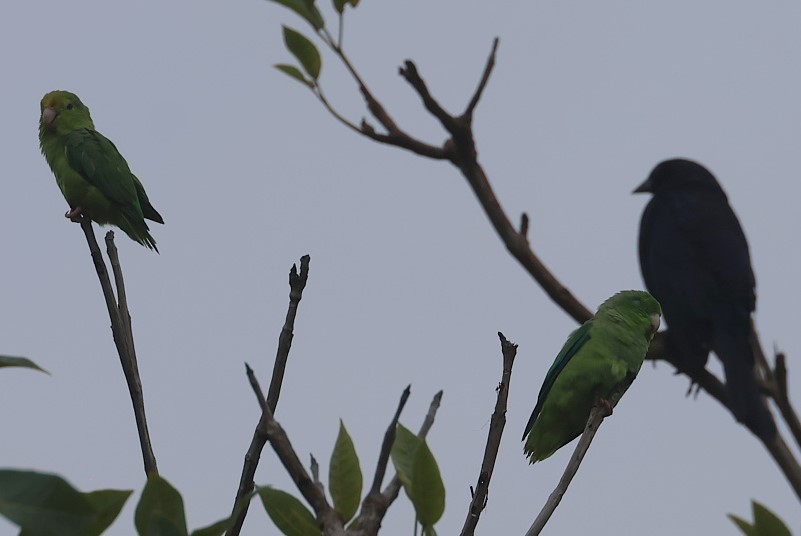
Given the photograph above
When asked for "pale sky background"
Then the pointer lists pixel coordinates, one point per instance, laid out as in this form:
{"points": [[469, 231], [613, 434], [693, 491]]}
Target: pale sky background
{"points": [[408, 284]]}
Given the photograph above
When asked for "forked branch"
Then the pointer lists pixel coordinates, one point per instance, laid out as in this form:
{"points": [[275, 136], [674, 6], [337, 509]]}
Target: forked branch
{"points": [[122, 334]]}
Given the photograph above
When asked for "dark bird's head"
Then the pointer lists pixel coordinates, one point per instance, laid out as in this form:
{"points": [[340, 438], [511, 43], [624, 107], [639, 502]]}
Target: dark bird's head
{"points": [[679, 175]]}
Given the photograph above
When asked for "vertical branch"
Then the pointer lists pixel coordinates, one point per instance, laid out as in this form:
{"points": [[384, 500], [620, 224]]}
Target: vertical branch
{"points": [[297, 282], [122, 334], [497, 424]]}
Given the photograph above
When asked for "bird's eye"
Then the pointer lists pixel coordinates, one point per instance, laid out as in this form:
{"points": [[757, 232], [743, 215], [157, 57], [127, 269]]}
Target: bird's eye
{"points": [[70, 106]]}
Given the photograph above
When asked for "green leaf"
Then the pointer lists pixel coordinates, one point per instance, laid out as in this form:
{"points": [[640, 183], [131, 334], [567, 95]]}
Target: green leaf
{"points": [[353, 3], [288, 513], [767, 523], [107, 503], [215, 529], [744, 526], [44, 505], [429, 531], [305, 51], [160, 510], [306, 9], [339, 5], [345, 476], [8, 361], [403, 452], [428, 490], [295, 73]]}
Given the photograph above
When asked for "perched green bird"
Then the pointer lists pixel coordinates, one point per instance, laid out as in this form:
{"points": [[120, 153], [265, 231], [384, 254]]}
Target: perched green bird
{"points": [[598, 358], [91, 172]]}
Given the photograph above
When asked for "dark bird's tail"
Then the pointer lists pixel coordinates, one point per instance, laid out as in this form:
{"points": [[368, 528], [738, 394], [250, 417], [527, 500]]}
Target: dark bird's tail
{"points": [[735, 350]]}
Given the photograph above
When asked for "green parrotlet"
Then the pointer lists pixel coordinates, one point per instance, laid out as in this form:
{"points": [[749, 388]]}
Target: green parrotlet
{"points": [[600, 357], [91, 173]]}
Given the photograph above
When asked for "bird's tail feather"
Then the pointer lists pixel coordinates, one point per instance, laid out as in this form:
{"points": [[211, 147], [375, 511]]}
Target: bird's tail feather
{"points": [[736, 352], [139, 232]]}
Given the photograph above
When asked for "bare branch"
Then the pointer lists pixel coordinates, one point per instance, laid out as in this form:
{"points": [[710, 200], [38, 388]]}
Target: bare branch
{"points": [[782, 398], [122, 334], [297, 282], [468, 113], [597, 416], [409, 72], [254, 384], [497, 424], [374, 507], [386, 446], [269, 428]]}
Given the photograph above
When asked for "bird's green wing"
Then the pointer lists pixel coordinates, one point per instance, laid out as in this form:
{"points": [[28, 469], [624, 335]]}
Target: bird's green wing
{"points": [[99, 162], [576, 340], [147, 209]]}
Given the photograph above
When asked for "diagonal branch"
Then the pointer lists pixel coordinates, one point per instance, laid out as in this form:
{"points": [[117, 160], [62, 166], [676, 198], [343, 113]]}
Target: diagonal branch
{"points": [[468, 113], [122, 334], [374, 506], [269, 429], [597, 416], [497, 423], [386, 445], [297, 282]]}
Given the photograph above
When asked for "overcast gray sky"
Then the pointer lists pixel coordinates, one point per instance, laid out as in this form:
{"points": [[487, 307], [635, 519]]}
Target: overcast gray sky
{"points": [[408, 282]]}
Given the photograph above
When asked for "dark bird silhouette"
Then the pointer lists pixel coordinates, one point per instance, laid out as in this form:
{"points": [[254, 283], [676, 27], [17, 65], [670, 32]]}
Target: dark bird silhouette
{"points": [[694, 259]]}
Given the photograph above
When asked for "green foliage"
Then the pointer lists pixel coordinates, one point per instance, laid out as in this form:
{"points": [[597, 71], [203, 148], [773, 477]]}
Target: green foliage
{"points": [[403, 450], [305, 51], [428, 490], [288, 513], [160, 510], [766, 523], [345, 476], [306, 9], [9, 361], [418, 472], [295, 73], [339, 5], [44, 504]]}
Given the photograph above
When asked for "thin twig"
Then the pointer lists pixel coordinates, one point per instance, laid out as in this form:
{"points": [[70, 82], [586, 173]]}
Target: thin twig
{"points": [[468, 113], [297, 282], [122, 334], [254, 384], [375, 506], [497, 424], [597, 416], [386, 445], [269, 428], [782, 398], [409, 72]]}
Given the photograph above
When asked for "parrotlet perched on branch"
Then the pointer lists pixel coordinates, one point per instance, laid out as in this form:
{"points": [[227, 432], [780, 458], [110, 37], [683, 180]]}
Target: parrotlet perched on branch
{"points": [[599, 358], [91, 172]]}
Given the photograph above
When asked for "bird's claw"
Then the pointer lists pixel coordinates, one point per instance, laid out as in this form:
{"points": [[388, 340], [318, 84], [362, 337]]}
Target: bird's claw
{"points": [[75, 215]]}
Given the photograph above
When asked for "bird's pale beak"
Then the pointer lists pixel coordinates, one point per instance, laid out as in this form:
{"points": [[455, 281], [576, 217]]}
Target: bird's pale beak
{"points": [[49, 115], [655, 320], [645, 187]]}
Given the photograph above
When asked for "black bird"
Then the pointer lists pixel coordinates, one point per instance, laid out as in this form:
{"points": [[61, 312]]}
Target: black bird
{"points": [[694, 259]]}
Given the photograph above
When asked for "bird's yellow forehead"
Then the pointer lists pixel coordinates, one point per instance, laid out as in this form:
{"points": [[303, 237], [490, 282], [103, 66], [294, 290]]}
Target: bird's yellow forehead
{"points": [[54, 99]]}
